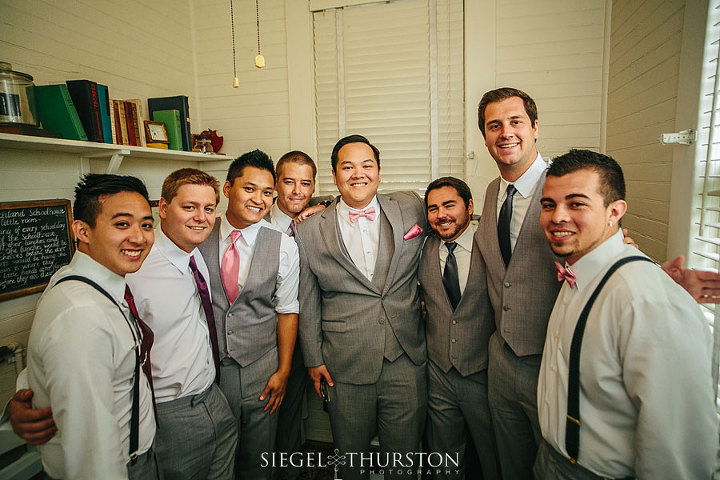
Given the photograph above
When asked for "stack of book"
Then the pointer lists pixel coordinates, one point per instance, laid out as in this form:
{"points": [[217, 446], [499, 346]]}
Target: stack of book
{"points": [[83, 110]]}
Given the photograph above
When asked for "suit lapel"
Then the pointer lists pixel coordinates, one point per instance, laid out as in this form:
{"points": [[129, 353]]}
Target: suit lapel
{"points": [[330, 233], [392, 211], [491, 214]]}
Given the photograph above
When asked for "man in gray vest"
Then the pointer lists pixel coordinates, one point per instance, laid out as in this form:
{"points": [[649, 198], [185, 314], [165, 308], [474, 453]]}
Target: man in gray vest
{"points": [[521, 280], [254, 276], [360, 325], [459, 323]]}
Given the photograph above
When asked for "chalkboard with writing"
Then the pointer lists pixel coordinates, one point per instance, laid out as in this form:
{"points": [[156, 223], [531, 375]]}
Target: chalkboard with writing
{"points": [[35, 241]]}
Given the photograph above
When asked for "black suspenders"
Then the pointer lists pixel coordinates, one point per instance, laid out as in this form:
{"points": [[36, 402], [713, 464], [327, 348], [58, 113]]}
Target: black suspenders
{"points": [[135, 413], [572, 429]]}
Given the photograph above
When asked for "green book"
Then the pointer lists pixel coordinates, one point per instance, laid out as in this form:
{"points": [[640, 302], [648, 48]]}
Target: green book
{"points": [[57, 111], [171, 119]]}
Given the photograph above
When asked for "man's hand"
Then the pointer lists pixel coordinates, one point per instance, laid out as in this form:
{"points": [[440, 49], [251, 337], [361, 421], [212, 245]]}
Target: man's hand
{"points": [[628, 240], [34, 426], [316, 373], [308, 212], [276, 389], [703, 286]]}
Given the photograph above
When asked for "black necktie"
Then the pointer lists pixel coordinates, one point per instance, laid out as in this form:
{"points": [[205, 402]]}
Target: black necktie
{"points": [[503, 226], [450, 276], [209, 316]]}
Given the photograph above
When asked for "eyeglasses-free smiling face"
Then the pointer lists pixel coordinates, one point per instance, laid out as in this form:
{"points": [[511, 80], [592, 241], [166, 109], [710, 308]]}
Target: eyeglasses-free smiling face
{"points": [[574, 216], [510, 137], [122, 235], [250, 196], [295, 186], [189, 217], [447, 213], [357, 174]]}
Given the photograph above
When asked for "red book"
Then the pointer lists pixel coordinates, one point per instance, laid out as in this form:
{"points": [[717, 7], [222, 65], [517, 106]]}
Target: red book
{"points": [[132, 139]]}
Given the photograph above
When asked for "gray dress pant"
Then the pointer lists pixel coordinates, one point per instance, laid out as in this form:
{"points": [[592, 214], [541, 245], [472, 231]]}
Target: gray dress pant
{"points": [[512, 392], [197, 437], [395, 407], [242, 387], [455, 401]]}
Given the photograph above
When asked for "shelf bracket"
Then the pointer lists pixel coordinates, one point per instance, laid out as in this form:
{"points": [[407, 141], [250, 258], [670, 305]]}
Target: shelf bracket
{"points": [[116, 158]]}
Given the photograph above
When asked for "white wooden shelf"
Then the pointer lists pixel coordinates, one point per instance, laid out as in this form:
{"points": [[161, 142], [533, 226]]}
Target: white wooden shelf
{"points": [[115, 153]]}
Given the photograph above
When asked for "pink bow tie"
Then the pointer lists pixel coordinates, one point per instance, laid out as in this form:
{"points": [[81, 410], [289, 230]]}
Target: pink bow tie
{"points": [[566, 274], [368, 213]]}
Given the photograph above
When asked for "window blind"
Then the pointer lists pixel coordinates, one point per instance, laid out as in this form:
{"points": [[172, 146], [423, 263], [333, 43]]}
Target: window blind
{"points": [[392, 72]]}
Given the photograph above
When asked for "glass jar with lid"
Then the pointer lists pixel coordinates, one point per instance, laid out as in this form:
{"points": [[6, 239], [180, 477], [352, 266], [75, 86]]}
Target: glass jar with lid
{"points": [[17, 97]]}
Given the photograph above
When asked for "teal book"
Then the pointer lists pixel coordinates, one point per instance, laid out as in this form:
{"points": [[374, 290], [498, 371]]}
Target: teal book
{"points": [[173, 127], [57, 111], [105, 121]]}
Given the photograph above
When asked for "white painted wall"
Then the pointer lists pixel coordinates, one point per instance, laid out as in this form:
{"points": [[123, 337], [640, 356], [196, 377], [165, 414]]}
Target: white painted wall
{"points": [[645, 45]]}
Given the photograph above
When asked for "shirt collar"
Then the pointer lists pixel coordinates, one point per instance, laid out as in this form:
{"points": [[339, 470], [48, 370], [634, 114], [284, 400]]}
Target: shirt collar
{"points": [[593, 263], [173, 253], [114, 284], [343, 210], [465, 240], [248, 233], [525, 185], [280, 218]]}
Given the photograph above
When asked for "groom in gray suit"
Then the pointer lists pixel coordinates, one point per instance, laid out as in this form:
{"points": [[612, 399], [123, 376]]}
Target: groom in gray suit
{"points": [[360, 326]]}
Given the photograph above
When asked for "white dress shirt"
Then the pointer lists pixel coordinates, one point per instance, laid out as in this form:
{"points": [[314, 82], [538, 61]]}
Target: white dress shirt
{"points": [[362, 237], [279, 219], [525, 185], [646, 400], [81, 361], [168, 300], [463, 253], [286, 291]]}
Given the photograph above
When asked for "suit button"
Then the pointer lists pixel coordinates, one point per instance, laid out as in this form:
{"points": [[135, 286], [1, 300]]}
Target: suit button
{"points": [[506, 307], [381, 321], [507, 284], [454, 322], [453, 340], [230, 332]]}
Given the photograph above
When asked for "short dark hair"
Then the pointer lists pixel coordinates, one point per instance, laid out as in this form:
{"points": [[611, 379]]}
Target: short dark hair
{"points": [[352, 139], [296, 156], [612, 180], [502, 94], [188, 176], [92, 186], [460, 187], [256, 158]]}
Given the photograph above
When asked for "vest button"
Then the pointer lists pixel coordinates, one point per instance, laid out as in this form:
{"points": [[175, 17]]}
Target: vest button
{"points": [[454, 322], [506, 307], [453, 340], [507, 284], [230, 332]]}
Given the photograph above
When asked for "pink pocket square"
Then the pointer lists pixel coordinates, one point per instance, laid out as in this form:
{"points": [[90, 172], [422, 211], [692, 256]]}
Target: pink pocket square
{"points": [[414, 231]]}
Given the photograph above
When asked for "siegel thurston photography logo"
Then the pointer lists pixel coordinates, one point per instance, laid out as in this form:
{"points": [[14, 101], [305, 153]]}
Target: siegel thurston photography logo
{"points": [[378, 463]]}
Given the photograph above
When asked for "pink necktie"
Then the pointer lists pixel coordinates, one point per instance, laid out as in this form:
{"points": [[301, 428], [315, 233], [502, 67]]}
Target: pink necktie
{"points": [[368, 213], [230, 268], [565, 274]]}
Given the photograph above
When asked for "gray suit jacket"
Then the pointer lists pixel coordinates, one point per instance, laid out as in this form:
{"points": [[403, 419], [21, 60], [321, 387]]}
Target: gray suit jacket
{"points": [[523, 295], [456, 338], [342, 313]]}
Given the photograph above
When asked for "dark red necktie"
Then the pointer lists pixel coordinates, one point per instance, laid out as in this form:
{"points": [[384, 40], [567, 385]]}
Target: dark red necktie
{"points": [[209, 316], [145, 343]]}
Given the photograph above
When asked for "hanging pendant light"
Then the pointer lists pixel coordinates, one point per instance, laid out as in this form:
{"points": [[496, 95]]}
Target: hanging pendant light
{"points": [[236, 81], [259, 59]]}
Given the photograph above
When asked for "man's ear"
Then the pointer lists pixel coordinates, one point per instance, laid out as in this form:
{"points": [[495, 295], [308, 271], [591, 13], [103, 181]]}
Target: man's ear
{"points": [[81, 230], [617, 210], [162, 208], [226, 188]]}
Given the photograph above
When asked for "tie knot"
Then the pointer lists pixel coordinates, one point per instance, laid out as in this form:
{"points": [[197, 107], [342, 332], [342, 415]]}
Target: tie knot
{"points": [[450, 246], [235, 234], [510, 191]]}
